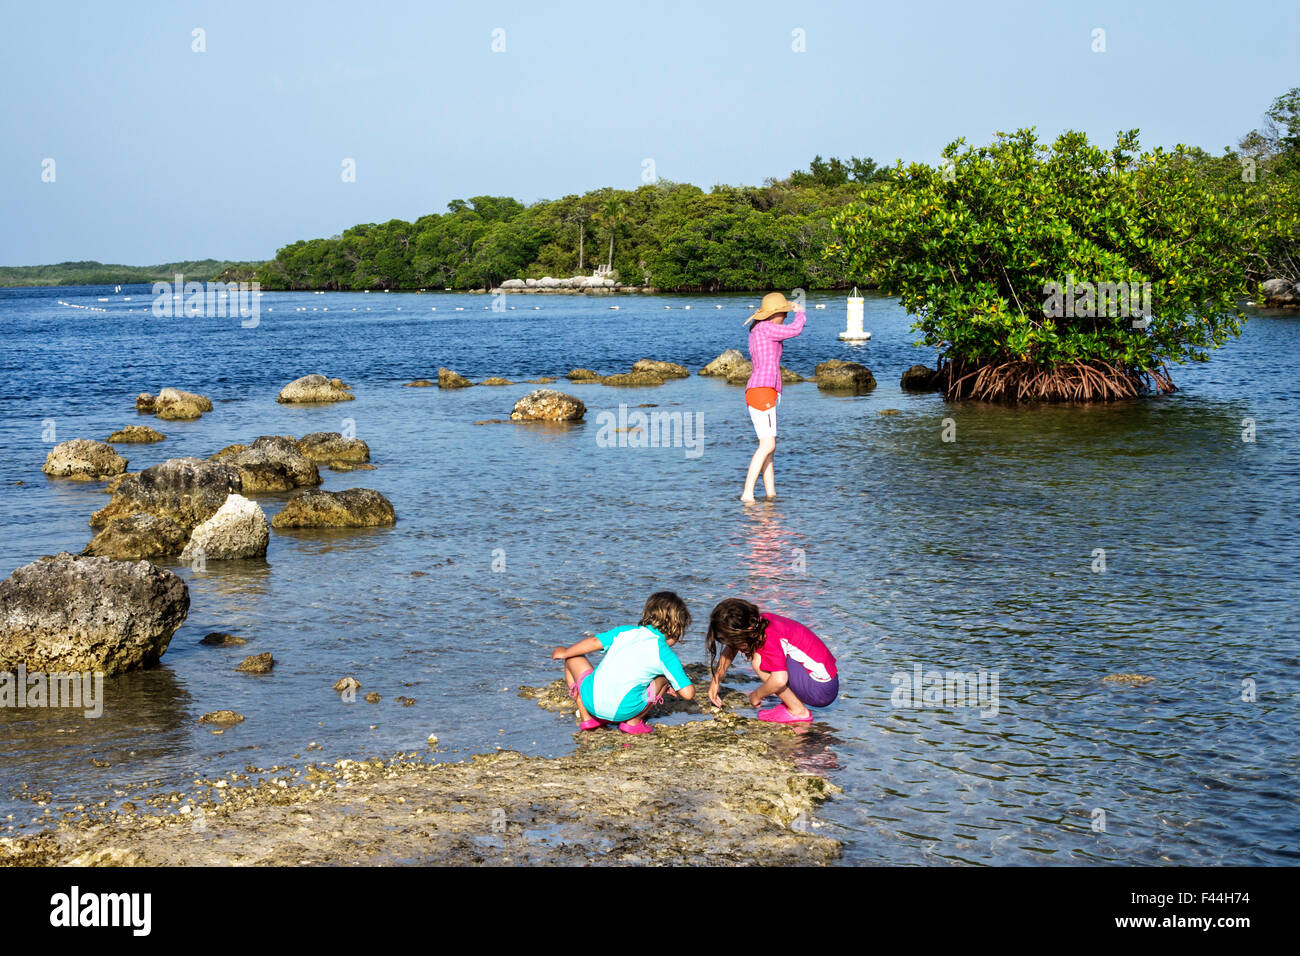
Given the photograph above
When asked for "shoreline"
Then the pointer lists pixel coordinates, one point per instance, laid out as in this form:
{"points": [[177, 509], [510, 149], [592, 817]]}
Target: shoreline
{"points": [[710, 791]]}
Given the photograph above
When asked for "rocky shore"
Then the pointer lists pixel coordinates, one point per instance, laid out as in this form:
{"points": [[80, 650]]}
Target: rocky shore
{"points": [[712, 791]]}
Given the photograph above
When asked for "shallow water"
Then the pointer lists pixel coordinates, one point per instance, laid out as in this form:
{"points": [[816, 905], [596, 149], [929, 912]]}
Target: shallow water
{"points": [[901, 549]]}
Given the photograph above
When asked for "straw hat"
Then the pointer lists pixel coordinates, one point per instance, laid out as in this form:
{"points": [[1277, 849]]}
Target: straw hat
{"points": [[773, 303]]}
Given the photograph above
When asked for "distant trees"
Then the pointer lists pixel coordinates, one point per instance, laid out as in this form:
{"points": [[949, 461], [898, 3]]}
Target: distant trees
{"points": [[669, 235]]}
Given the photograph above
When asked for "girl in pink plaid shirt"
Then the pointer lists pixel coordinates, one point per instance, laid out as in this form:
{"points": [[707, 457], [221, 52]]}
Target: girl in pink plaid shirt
{"points": [[763, 390]]}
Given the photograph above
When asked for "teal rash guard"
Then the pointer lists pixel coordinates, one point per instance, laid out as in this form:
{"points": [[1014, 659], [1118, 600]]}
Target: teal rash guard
{"points": [[634, 656]]}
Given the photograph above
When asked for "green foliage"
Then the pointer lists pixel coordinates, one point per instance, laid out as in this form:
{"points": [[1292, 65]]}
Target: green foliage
{"points": [[970, 246], [668, 235], [97, 273]]}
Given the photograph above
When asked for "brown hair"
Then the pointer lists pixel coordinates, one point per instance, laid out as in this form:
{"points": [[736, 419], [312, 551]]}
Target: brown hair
{"points": [[737, 624], [666, 613]]}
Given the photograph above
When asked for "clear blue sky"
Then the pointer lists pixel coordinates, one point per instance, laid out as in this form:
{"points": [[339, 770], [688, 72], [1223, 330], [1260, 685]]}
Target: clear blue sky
{"points": [[165, 154]]}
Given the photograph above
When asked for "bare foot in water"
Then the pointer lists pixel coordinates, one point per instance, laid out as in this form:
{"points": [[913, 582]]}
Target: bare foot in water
{"points": [[749, 500]]}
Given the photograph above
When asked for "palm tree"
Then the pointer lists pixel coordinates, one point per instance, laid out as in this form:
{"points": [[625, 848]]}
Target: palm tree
{"points": [[613, 212]]}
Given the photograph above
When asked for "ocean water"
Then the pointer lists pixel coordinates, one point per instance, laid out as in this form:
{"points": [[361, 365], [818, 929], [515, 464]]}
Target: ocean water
{"points": [[978, 555]]}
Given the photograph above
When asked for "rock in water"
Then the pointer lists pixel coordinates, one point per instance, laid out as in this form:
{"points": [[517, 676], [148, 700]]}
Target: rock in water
{"points": [[837, 375], [496, 380], [790, 377], [174, 404], [314, 388], [67, 614], [238, 530], [919, 378], [186, 490], [727, 365], [326, 447], [135, 434], [257, 664], [582, 375], [449, 379], [627, 379], [221, 639], [548, 405], [136, 537], [274, 463], [1280, 293], [222, 717], [662, 369], [83, 459], [420, 383], [353, 508]]}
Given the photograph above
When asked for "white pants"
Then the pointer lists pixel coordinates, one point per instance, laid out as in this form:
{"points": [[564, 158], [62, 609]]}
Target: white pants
{"points": [[764, 420]]}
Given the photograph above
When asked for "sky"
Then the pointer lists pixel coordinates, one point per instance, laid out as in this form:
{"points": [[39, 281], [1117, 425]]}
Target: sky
{"points": [[164, 153]]}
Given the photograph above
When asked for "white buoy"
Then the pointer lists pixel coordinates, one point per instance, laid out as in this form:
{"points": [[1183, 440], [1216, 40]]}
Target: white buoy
{"points": [[687, 307], [717, 306], [820, 305], [853, 331]]}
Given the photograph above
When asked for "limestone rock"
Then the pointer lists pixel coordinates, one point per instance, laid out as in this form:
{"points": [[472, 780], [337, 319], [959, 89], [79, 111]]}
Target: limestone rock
{"points": [[548, 405], [353, 508], [68, 614], [837, 375], [135, 434], [136, 537], [83, 459], [662, 369], [274, 463], [314, 388], [187, 490], [449, 379], [238, 530], [174, 404], [332, 446]]}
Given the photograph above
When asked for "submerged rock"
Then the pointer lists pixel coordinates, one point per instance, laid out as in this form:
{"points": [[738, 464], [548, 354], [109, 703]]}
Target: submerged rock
{"points": [[837, 375], [83, 459], [68, 614], [173, 404], [332, 447], [238, 530], [496, 380], [274, 463], [449, 379], [135, 434], [919, 378], [727, 365], [580, 375], [136, 537], [222, 717], [544, 380], [662, 369], [548, 405], [353, 508], [420, 383], [314, 389], [1128, 680], [221, 639], [186, 490]]}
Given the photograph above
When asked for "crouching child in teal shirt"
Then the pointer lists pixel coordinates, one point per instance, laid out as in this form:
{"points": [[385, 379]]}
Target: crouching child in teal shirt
{"points": [[639, 666]]}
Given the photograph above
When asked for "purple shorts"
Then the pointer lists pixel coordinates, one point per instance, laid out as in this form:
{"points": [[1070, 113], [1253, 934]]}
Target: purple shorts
{"points": [[813, 693]]}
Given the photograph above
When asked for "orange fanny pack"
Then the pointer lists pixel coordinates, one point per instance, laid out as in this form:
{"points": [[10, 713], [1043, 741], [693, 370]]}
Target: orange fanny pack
{"points": [[760, 398]]}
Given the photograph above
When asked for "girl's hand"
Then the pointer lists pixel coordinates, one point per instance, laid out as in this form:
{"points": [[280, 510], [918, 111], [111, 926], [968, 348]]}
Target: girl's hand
{"points": [[755, 698], [559, 653], [714, 699]]}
